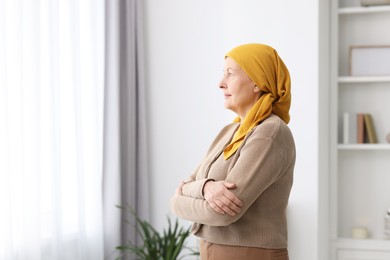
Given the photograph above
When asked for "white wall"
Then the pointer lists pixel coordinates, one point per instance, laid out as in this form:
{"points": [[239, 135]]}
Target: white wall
{"points": [[185, 42]]}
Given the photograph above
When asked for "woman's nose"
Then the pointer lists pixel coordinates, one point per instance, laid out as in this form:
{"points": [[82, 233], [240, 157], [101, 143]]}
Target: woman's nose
{"points": [[222, 85]]}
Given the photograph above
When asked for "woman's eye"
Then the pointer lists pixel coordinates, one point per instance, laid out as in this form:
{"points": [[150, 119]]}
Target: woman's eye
{"points": [[227, 75]]}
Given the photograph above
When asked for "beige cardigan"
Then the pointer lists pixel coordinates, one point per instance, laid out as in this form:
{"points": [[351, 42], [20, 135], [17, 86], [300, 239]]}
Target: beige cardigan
{"points": [[263, 169]]}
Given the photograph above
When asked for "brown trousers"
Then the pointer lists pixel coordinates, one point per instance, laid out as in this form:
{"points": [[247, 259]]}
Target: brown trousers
{"points": [[210, 251]]}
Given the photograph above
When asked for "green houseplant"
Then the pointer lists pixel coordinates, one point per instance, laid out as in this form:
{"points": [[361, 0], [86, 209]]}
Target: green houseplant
{"points": [[156, 246]]}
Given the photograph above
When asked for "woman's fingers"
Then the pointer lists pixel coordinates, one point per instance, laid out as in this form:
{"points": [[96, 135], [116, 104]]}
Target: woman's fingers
{"points": [[230, 195], [225, 207], [228, 206], [221, 199], [178, 190], [216, 208]]}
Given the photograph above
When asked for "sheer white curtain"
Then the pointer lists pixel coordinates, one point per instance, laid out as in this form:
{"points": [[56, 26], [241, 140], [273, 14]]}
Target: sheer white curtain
{"points": [[51, 112]]}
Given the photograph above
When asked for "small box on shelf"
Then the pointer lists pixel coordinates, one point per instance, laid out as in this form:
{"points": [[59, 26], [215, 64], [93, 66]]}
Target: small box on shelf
{"points": [[360, 233], [374, 2], [369, 60]]}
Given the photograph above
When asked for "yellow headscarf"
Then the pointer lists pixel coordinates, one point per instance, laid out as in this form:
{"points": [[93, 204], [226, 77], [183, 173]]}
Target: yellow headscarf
{"points": [[267, 70]]}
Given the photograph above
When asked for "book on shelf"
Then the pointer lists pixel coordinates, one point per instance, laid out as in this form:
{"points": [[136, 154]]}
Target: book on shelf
{"points": [[358, 128], [350, 128], [370, 129]]}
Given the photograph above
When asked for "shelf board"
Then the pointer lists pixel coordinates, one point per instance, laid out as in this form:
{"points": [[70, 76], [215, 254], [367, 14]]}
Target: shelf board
{"points": [[364, 244], [363, 146], [363, 9], [365, 79]]}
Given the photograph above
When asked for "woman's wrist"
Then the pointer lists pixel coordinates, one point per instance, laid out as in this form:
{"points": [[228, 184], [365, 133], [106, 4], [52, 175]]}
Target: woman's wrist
{"points": [[204, 185]]}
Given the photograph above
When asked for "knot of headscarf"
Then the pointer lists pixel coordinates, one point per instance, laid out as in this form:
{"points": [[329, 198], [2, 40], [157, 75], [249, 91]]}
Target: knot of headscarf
{"points": [[267, 70]]}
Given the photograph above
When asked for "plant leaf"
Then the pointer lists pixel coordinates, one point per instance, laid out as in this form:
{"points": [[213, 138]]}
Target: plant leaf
{"points": [[165, 246]]}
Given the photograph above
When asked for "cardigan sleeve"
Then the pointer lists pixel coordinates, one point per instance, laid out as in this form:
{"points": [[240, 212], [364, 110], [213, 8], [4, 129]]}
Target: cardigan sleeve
{"points": [[194, 188], [260, 162], [194, 184]]}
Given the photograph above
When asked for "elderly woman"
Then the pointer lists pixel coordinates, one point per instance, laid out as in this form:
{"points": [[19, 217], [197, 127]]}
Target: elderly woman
{"points": [[237, 197]]}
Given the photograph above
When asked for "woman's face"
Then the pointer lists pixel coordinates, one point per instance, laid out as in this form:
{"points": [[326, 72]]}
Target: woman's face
{"points": [[239, 90]]}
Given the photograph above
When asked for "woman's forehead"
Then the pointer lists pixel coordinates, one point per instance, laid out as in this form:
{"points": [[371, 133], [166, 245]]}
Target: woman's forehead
{"points": [[230, 63]]}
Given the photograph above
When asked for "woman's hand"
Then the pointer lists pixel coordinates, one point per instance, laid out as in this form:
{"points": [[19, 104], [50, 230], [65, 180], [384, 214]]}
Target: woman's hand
{"points": [[179, 189], [220, 198]]}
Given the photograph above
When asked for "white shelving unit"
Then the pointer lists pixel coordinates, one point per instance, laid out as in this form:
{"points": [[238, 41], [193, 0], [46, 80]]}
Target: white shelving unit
{"points": [[359, 173]]}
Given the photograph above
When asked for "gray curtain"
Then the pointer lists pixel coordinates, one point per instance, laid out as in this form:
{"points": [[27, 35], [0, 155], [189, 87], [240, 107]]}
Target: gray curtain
{"points": [[125, 174]]}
